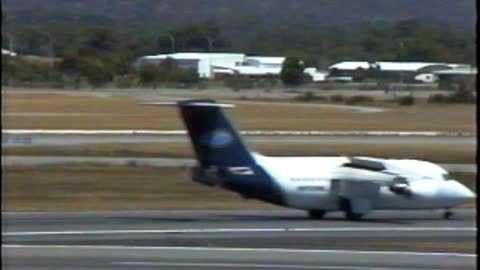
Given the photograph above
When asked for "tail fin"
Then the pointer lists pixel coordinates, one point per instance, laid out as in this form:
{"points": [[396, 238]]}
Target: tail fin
{"points": [[224, 159], [215, 141]]}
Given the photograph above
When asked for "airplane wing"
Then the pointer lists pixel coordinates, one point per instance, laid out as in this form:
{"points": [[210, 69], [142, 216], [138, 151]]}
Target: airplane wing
{"points": [[364, 170], [364, 177]]}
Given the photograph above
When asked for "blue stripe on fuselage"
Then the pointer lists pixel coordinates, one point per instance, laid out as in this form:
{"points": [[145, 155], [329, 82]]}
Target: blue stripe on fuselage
{"points": [[259, 185]]}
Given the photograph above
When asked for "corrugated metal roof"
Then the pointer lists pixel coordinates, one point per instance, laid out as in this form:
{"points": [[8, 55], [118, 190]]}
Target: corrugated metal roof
{"points": [[7, 52], [193, 55], [267, 59], [387, 66], [350, 65], [457, 71], [248, 70]]}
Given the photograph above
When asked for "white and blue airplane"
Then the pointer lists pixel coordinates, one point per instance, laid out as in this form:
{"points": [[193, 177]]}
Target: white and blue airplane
{"points": [[354, 185]]}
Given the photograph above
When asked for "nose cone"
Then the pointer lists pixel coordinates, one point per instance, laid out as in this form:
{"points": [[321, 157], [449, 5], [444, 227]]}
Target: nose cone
{"points": [[456, 192], [467, 193]]}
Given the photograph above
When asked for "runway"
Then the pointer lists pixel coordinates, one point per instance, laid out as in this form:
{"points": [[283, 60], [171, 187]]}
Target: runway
{"points": [[224, 239], [64, 139]]}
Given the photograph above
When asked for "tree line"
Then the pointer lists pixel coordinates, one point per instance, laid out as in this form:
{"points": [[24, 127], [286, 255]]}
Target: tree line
{"points": [[100, 55]]}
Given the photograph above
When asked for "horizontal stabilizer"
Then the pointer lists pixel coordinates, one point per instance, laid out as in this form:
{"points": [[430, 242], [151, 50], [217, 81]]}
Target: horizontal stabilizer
{"points": [[215, 140]]}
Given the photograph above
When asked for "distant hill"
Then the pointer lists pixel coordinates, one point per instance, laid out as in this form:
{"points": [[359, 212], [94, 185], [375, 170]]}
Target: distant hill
{"points": [[235, 15], [334, 29]]}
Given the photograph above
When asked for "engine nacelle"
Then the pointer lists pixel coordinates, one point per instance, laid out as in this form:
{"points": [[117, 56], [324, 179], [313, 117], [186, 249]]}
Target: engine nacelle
{"points": [[401, 186], [206, 176], [401, 189]]}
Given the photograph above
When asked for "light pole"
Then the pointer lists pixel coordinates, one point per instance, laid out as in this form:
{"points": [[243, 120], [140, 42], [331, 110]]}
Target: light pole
{"points": [[10, 41], [51, 51], [210, 43], [172, 42], [207, 38]]}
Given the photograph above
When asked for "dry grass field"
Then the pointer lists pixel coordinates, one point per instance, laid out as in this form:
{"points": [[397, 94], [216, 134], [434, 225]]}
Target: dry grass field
{"points": [[100, 187], [106, 112], [435, 153]]}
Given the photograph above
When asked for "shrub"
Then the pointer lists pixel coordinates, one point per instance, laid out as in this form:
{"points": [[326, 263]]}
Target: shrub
{"points": [[326, 86], [30, 71], [367, 86], [236, 83], [359, 99], [306, 97], [126, 81], [462, 96], [437, 98], [292, 72], [95, 71], [337, 98], [459, 96], [310, 96], [202, 85], [266, 82], [186, 77], [406, 100]]}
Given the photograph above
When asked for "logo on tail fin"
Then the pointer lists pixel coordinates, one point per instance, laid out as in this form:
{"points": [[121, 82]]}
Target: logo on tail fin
{"points": [[216, 138]]}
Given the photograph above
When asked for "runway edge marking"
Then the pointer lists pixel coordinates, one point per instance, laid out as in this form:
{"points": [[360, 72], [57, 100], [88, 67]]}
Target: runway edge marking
{"points": [[249, 266], [343, 251], [239, 230]]}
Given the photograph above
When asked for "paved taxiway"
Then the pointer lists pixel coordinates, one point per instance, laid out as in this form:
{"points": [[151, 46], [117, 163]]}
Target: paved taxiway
{"points": [[160, 162], [237, 240], [63, 139]]}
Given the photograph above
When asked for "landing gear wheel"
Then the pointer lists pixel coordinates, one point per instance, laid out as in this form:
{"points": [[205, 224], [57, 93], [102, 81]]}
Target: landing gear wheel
{"points": [[353, 216], [316, 214], [448, 214], [346, 206]]}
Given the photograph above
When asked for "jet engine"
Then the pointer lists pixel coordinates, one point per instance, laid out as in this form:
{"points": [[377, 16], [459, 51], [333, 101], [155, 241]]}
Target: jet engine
{"points": [[400, 186]]}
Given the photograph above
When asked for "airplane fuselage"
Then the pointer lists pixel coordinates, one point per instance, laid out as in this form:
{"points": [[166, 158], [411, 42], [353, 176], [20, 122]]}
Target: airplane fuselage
{"points": [[354, 185], [314, 183]]}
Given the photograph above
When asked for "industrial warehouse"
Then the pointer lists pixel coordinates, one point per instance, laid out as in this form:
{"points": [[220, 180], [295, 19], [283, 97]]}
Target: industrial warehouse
{"points": [[217, 65]]}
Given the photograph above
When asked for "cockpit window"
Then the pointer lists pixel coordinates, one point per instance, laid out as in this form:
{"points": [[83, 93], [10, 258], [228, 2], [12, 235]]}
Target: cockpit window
{"points": [[446, 176]]}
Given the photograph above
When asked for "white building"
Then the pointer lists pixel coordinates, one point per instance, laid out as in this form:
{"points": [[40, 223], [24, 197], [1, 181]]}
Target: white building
{"points": [[253, 66], [202, 62], [244, 70], [210, 64], [7, 52], [466, 75], [409, 71], [316, 75], [264, 61], [392, 66], [426, 78]]}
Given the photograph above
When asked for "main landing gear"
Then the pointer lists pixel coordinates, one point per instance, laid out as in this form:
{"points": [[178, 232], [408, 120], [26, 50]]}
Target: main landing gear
{"points": [[346, 206], [316, 214]]}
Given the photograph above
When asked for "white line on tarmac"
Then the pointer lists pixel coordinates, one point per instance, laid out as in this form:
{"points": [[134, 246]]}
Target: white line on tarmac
{"points": [[243, 132], [217, 249], [240, 230], [251, 266]]}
